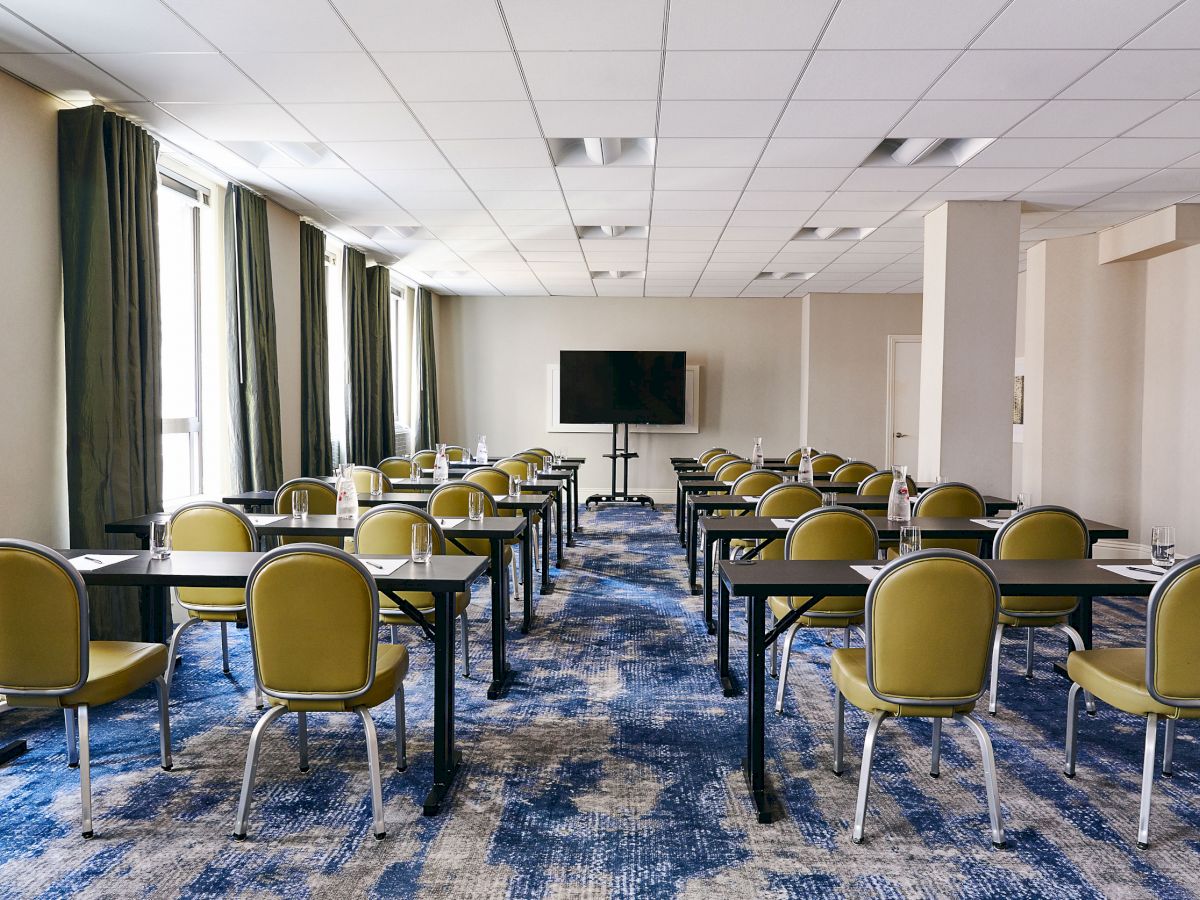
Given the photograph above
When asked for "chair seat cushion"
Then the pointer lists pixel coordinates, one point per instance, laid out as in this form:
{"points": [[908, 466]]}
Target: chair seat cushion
{"points": [[232, 615], [1117, 675], [849, 671], [115, 669], [1031, 621], [391, 614], [831, 612], [391, 665]]}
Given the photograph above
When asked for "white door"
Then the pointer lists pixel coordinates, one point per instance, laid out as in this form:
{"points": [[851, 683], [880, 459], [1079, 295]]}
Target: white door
{"points": [[904, 399]]}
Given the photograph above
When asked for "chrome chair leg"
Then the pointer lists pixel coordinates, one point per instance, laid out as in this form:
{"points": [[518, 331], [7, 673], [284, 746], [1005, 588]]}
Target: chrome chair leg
{"points": [[302, 731], [373, 764], [243, 810], [846, 637], [936, 758], [864, 778], [783, 670], [1143, 838], [164, 723], [173, 648], [1028, 652], [85, 770], [1077, 642], [466, 652], [989, 779], [1072, 729], [995, 680], [774, 650], [72, 738], [1168, 768], [862, 634], [395, 634], [839, 730], [225, 647], [401, 733]]}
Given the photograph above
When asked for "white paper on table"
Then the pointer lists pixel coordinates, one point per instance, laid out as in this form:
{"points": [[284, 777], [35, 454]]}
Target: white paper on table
{"points": [[868, 572], [381, 566], [84, 564], [990, 523], [499, 496], [1134, 573], [449, 523], [755, 497], [265, 519], [784, 523]]}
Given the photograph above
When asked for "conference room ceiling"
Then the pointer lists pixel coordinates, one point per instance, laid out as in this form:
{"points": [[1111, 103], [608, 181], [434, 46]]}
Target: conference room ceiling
{"points": [[429, 132]]}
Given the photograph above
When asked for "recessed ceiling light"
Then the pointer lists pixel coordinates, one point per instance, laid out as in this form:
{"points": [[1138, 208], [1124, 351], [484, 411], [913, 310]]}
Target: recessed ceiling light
{"points": [[596, 151], [613, 273], [601, 232], [923, 151], [826, 233], [784, 276]]}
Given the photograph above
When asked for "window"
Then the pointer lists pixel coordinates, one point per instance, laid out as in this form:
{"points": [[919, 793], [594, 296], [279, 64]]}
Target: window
{"points": [[179, 282]]}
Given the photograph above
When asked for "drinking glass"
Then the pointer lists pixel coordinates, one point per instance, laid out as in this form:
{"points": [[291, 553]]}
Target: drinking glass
{"points": [[160, 539], [300, 504], [376, 484], [475, 506], [531, 472], [1162, 545], [829, 499], [514, 486], [910, 539], [422, 542], [937, 479], [547, 463], [1023, 501]]}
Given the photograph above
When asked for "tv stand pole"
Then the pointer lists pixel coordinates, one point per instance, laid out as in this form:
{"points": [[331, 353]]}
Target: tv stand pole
{"points": [[624, 454]]}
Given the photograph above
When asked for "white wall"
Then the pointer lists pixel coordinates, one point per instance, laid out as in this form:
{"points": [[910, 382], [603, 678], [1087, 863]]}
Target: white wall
{"points": [[33, 471], [493, 353], [845, 369], [283, 227]]}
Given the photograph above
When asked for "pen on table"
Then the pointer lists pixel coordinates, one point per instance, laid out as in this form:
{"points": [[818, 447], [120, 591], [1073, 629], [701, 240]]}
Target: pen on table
{"points": [[93, 559], [373, 565], [1147, 571]]}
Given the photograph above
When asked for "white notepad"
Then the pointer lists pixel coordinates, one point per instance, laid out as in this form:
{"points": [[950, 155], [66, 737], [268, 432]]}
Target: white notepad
{"points": [[449, 523], [784, 523], [265, 519], [868, 572], [1134, 572], [755, 497], [97, 561], [990, 523], [381, 566]]}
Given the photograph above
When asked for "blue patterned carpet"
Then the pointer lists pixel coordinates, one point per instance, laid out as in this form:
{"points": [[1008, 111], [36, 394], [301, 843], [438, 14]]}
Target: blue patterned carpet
{"points": [[610, 770]]}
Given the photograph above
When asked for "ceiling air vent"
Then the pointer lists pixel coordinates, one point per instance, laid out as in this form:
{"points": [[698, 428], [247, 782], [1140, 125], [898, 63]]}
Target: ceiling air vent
{"points": [[829, 233], [602, 151], [602, 232], [614, 274], [915, 151]]}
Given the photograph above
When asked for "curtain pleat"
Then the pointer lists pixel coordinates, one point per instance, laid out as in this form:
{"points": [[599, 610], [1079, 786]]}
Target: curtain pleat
{"points": [[316, 452], [255, 432], [426, 432], [108, 208], [369, 360]]}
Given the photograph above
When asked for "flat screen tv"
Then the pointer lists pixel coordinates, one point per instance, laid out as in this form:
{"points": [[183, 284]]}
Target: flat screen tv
{"points": [[640, 387]]}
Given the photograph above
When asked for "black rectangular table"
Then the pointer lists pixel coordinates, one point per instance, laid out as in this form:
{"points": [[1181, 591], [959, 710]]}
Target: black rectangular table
{"points": [[759, 579], [443, 576], [569, 464]]}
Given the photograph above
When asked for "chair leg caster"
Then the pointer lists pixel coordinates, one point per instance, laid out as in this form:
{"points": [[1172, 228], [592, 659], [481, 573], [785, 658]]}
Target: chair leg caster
{"points": [[380, 835], [856, 840], [88, 835], [935, 774], [167, 768], [72, 765], [1091, 712], [999, 845], [403, 768], [1167, 774], [1142, 846], [1069, 774], [304, 769], [238, 837], [837, 773]]}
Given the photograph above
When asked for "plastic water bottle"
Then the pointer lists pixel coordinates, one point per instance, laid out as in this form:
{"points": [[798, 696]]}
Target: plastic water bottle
{"points": [[441, 465], [347, 493], [481, 453], [804, 474], [756, 455], [899, 509]]}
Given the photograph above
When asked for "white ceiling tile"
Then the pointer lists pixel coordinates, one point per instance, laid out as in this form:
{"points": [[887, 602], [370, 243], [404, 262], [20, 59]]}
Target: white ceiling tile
{"points": [[757, 247], [842, 219], [701, 179], [611, 75], [584, 25], [358, 121], [1072, 23], [783, 199], [419, 201], [454, 234], [1179, 29], [731, 74], [746, 25], [553, 255], [523, 179], [895, 178], [736, 232], [1087, 118], [522, 199], [183, 77], [722, 200], [376, 155], [597, 118], [963, 118], [18, 37], [604, 178], [1140, 74], [510, 219], [931, 24], [775, 218], [1169, 180], [445, 25], [606, 215], [1096, 219], [871, 74], [1013, 74], [840, 118], [934, 198], [546, 245], [684, 233], [332, 187], [1056, 201], [608, 199], [1084, 180], [469, 120], [316, 77], [689, 216], [718, 118], [818, 152], [266, 25], [239, 121], [139, 26], [693, 152], [417, 180], [69, 77], [797, 179], [1143, 153], [485, 154], [432, 77], [892, 201], [987, 179], [1033, 152], [521, 234], [1181, 120]]}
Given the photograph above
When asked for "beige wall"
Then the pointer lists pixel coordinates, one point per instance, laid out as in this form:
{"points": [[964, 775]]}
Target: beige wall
{"points": [[493, 353], [33, 474], [283, 227], [845, 369]]}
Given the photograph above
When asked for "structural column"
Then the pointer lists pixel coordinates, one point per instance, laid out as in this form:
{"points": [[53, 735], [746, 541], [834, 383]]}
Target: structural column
{"points": [[968, 343]]}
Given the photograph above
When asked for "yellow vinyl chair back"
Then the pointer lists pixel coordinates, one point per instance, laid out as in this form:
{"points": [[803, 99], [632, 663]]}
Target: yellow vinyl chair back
{"points": [[322, 501], [539, 451], [785, 501], [824, 463], [930, 620], [755, 484], [833, 532], [397, 467], [387, 530], [1173, 637], [708, 454], [43, 622], [450, 500], [423, 459], [730, 471], [796, 455], [362, 479], [212, 526], [529, 457], [851, 472], [313, 612], [516, 466], [456, 453], [951, 499], [1041, 532], [715, 462]]}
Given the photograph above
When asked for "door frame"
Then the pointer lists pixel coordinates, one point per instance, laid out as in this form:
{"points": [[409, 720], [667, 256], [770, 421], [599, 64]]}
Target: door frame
{"points": [[889, 417]]}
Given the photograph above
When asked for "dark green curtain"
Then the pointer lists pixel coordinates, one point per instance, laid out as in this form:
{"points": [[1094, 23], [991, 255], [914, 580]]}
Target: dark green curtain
{"points": [[108, 207], [424, 373], [316, 452], [369, 363], [254, 371]]}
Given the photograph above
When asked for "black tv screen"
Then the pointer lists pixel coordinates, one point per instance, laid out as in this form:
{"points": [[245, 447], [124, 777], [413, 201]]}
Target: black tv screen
{"points": [[644, 387]]}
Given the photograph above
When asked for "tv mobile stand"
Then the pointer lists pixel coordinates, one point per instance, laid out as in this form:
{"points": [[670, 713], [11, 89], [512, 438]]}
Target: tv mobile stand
{"points": [[622, 496]]}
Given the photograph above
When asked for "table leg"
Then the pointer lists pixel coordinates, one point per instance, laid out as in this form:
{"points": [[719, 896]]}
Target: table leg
{"points": [[754, 766], [678, 505], [527, 574], [558, 528], [501, 673], [575, 497], [569, 487], [693, 527], [547, 584], [683, 525], [446, 758], [729, 685], [708, 586]]}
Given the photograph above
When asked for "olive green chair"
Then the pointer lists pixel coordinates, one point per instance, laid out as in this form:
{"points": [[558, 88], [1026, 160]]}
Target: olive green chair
{"points": [[313, 613], [832, 532], [518, 467], [730, 471], [387, 531], [398, 467], [930, 617], [495, 482], [951, 499], [1159, 681], [362, 479], [451, 500], [715, 462], [540, 451], [709, 454], [455, 453], [784, 501], [825, 463], [851, 472], [48, 661], [423, 459], [796, 455], [1040, 532], [322, 501], [207, 525]]}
